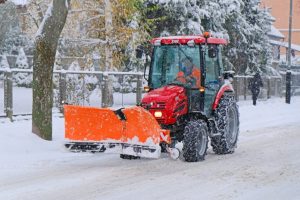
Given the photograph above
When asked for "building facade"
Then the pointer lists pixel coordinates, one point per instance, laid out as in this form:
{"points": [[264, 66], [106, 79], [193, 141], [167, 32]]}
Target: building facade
{"points": [[280, 9]]}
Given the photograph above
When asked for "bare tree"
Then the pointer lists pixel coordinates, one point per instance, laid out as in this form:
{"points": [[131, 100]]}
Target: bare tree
{"points": [[45, 46]]}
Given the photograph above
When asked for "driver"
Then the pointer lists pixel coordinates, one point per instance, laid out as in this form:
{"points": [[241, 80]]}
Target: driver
{"points": [[189, 73]]}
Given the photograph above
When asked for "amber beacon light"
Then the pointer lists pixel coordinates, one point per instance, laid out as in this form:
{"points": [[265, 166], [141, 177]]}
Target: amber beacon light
{"points": [[206, 35]]}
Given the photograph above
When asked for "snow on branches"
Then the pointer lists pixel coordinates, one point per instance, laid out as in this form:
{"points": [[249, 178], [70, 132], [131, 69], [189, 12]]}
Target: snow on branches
{"points": [[241, 22]]}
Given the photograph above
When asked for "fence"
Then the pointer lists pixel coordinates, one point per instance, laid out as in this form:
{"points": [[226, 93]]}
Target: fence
{"points": [[273, 86], [122, 97]]}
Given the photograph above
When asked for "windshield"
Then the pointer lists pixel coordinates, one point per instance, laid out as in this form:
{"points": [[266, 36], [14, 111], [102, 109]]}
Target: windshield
{"points": [[175, 64]]}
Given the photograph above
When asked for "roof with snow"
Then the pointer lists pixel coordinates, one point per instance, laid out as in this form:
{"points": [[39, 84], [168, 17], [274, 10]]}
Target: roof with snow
{"points": [[276, 33], [285, 44]]}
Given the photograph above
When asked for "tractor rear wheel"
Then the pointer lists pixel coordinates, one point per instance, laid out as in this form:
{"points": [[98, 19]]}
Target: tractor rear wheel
{"points": [[227, 120], [195, 141]]}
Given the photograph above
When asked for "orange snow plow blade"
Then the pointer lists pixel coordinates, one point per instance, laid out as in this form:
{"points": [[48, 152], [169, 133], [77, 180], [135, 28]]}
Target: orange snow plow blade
{"points": [[130, 131]]}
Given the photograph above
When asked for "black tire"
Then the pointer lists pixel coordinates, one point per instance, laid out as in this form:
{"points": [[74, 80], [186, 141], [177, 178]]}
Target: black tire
{"points": [[227, 121], [195, 141]]}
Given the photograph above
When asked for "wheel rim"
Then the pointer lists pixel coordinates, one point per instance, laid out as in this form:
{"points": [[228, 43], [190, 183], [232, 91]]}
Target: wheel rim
{"points": [[232, 125], [202, 139]]}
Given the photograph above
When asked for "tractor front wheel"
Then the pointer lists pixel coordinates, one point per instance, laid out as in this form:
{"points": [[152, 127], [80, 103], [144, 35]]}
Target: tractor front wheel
{"points": [[227, 119], [195, 141]]}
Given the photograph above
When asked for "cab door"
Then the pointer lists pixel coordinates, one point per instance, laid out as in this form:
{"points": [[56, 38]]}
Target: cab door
{"points": [[213, 71]]}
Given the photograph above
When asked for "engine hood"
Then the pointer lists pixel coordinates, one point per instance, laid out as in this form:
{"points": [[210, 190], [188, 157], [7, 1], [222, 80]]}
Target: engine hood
{"points": [[163, 93], [170, 101]]}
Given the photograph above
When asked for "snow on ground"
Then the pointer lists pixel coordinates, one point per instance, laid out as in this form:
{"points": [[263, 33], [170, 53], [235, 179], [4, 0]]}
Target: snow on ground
{"points": [[266, 164]]}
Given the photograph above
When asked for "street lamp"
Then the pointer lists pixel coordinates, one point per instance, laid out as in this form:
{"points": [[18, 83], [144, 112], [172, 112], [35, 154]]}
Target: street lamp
{"points": [[288, 72]]}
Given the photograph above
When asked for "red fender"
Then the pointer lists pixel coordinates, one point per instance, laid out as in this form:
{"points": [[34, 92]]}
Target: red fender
{"points": [[223, 89]]}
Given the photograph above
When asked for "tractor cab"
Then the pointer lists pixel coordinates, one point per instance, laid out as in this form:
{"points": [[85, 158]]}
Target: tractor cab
{"points": [[190, 62]]}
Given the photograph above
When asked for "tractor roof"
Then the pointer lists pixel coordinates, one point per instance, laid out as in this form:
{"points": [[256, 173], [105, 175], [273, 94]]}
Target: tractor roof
{"points": [[198, 39]]}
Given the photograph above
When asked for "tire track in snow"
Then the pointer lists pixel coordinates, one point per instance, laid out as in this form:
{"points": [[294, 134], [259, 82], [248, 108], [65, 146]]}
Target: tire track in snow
{"points": [[266, 161]]}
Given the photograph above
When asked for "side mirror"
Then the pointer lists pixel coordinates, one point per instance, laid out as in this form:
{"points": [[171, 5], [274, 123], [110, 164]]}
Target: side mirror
{"points": [[212, 52], [139, 52], [228, 74]]}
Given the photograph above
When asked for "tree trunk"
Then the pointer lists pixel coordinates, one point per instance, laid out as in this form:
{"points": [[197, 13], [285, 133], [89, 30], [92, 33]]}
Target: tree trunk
{"points": [[108, 49], [43, 61]]}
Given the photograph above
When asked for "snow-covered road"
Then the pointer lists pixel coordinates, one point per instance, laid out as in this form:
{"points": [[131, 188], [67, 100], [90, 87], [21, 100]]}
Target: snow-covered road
{"points": [[266, 165]]}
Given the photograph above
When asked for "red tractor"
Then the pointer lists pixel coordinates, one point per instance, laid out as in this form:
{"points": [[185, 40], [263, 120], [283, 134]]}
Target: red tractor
{"points": [[191, 112], [190, 96]]}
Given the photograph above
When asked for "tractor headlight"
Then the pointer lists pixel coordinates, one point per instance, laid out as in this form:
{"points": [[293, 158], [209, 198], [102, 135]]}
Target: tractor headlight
{"points": [[158, 114], [146, 88]]}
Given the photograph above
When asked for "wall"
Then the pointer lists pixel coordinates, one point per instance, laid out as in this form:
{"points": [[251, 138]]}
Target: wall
{"points": [[280, 10]]}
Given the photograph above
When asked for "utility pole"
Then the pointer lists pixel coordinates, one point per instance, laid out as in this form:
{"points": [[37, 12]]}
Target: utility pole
{"points": [[288, 72]]}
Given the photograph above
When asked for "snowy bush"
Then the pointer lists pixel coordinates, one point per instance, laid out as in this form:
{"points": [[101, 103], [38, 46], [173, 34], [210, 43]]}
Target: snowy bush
{"points": [[56, 98], [57, 66], [129, 84], [22, 79], [124, 84], [8, 23], [116, 84], [3, 65], [22, 62], [79, 86]]}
